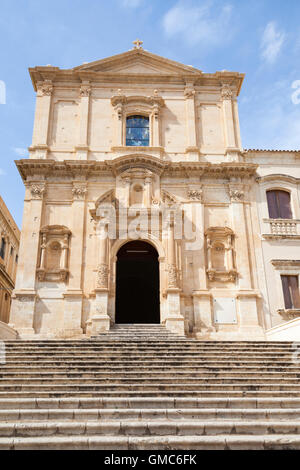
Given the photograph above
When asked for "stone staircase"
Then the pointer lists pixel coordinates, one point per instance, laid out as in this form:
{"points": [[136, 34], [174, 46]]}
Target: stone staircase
{"points": [[141, 387]]}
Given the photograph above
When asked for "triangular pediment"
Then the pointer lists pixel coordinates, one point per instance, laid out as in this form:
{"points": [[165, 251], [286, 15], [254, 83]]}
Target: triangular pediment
{"points": [[137, 61]]}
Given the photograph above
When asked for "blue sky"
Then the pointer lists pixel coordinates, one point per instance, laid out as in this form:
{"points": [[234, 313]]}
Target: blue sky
{"points": [[259, 37]]}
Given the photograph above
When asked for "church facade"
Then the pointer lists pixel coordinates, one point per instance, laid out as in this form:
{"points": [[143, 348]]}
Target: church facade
{"points": [[142, 206]]}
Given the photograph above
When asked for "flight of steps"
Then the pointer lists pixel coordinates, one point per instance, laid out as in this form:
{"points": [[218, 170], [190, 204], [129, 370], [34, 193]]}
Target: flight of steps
{"points": [[142, 387]]}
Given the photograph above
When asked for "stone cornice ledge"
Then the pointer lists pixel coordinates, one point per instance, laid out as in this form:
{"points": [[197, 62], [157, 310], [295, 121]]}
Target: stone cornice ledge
{"points": [[48, 167], [274, 236]]}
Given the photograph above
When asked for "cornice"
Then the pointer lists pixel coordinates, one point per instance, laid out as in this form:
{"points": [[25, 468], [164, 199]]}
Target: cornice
{"points": [[278, 177], [83, 169]]}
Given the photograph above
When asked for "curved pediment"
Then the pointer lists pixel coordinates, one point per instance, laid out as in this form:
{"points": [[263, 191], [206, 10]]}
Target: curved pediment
{"points": [[136, 162]]}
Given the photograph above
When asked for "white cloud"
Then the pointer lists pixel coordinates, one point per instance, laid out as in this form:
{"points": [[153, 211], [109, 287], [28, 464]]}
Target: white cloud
{"points": [[21, 152], [132, 3], [199, 24], [271, 43]]}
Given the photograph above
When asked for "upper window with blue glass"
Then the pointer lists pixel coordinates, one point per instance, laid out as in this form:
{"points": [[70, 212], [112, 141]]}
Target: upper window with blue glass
{"points": [[137, 131]]}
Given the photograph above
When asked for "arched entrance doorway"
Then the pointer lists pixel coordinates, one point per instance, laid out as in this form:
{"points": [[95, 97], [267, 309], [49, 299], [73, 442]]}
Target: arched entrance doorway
{"points": [[137, 286]]}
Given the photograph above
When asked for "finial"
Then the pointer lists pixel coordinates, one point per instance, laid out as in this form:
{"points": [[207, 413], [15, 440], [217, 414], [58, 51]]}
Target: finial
{"points": [[137, 44]]}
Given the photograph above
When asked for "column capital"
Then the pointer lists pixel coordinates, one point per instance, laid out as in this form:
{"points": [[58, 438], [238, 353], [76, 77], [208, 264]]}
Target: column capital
{"points": [[226, 92], [37, 190], [236, 193], [85, 90], [195, 195], [79, 191], [44, 88]]}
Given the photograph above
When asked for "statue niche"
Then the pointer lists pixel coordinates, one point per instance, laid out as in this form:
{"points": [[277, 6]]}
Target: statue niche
{"points": [[54, 253], [220, 254]]}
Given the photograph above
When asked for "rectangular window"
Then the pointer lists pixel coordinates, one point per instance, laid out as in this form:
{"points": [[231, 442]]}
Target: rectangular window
{"points": [[290, 287], [2, 248], [279, 204], [11, 251]]}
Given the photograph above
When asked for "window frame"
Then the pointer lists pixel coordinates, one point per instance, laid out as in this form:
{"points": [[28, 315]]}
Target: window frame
{"points": [[278, 207], [140, 115], [3, 248], [291, 295]]}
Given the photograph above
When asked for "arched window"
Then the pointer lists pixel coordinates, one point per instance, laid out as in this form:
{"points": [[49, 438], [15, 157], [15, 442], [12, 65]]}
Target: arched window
{"points": [[137, 131], [279, 204]]}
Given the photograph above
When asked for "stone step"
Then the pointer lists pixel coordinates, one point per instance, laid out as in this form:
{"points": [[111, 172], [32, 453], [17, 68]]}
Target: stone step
{"points": [[196, 414], [149, 380], [58, 393], [150, 387], [138, 403], [154, 427], [148, 349], [142, 375], [31, 370], [152, 355], [148, 363], [267, 442], [84, 342]]}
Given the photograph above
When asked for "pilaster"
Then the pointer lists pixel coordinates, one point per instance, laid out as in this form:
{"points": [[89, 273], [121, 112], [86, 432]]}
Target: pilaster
{"points": [[82, 146], [42, 119], [24, 295], [192, 150]]}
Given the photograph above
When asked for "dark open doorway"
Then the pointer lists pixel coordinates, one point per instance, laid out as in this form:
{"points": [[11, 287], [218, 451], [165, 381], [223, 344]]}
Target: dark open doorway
{"points": [[137, 286]]}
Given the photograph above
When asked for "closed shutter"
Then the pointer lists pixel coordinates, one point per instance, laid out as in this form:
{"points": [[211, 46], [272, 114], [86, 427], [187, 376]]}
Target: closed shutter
{"points": [[286, 292], [294, 288], [272, 205], [279, 204], [284, 204], [290, 286]]}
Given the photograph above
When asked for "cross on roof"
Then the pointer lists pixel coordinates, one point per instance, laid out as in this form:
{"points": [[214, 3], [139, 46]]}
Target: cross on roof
{"points": [[138, 44]]}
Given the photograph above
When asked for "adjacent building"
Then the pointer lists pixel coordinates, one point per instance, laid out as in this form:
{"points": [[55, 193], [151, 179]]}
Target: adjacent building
{"points": [[9, 248], [142, 206]]}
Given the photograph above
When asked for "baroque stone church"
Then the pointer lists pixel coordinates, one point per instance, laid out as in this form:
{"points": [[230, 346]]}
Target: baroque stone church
{"points": [[142, 206]]}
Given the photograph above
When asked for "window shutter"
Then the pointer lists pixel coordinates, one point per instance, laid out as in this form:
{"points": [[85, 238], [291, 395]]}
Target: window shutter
{"points": [[272, 205], [286, 292], [294, 289], [284, 204]]}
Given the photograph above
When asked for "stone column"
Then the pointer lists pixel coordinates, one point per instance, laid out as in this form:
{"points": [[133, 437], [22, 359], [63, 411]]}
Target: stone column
{"points": [[201, 296], [42, 117], [24, 295], [246, 296], [119, 125], [148, 192], [73, 295], [191, 147], [100, 321], [82, 146], [174, 320], [155, 127]]}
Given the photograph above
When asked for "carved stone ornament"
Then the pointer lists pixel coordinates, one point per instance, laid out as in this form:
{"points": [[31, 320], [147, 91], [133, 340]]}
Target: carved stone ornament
{"points": [[172, 276], [168, 198], [45, 88], [37, 191], [79, 192], [124, 105], [236, 195], [195, 194], [222, 276], [189, 92], [226, 92], [85, 90], [102, 276]]}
